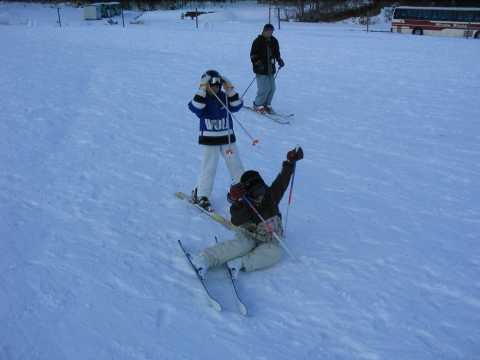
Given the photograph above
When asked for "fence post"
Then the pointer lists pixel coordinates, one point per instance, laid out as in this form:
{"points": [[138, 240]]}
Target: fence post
{"points": [[59, 18], [368, 20], [278, 14], [123, 19], [196, 17]]}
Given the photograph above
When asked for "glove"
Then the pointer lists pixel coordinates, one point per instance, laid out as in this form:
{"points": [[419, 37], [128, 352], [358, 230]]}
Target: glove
{"points": [[295, 155], [227, 84], [237, 192], [281, 63], [204, 81]]}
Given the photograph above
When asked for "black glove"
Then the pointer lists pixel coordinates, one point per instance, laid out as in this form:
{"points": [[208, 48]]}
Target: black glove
{"points": [[295, 155], [281, 63], [237, 192]]}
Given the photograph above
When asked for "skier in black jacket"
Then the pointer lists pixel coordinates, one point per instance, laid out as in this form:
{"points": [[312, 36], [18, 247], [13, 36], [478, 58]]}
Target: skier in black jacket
{"points": [[255, 246], [264, 53]]}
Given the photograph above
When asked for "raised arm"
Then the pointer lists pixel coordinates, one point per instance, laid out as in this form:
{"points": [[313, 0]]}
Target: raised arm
{"points": [[280, 184], [197, 105], [234, 101]]}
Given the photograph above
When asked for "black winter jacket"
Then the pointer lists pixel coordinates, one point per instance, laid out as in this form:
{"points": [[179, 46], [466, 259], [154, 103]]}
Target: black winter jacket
{"points": [[261, 62], [241, 213]]}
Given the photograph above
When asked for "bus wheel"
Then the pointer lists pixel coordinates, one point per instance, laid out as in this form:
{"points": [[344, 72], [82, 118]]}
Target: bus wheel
{"points": [[477, 35], [417, 31]]}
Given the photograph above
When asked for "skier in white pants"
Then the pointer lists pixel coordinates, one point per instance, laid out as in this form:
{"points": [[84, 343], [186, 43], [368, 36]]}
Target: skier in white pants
{"points": [[212, 106]]}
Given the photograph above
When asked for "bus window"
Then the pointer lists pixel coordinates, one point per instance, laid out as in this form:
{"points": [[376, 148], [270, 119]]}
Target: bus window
{"points": [[399, 14], [426, 15], [411, 14], [462, 16], [436, 15], [451, 15], [443, 15]]}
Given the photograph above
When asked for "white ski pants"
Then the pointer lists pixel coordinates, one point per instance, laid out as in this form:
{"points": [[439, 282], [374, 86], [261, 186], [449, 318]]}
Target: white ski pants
{"points": [[211, 154]]}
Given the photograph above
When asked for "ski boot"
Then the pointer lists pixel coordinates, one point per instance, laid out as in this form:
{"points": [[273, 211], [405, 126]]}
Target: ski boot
{"points": [[235, 266], [260, 109], [200, 264], [203, 201], [269, 110]]}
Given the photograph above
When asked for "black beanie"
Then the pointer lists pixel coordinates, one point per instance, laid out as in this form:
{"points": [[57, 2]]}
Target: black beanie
{"points": [[251, 179], [268, 27]]}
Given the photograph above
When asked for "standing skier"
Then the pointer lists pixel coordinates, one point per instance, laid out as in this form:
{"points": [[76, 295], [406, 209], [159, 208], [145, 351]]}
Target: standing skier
{"points": [[254, 246], [212, 106], [265, 51]]}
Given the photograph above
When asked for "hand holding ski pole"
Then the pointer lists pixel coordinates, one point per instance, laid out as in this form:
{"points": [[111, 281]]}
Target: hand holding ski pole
{"points": [[294, 155], [236, 193]]}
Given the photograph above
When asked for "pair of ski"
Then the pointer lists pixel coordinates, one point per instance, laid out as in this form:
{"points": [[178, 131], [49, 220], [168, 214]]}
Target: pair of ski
{"points": [[233, 279], [226, 223], [279, 118]]}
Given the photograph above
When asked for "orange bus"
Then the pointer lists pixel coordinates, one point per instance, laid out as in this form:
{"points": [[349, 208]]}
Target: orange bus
{"points": [[444, 21]]}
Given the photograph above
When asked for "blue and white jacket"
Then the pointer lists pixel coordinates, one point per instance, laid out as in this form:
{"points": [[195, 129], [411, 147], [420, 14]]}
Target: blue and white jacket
{"points": [[216, 123]]}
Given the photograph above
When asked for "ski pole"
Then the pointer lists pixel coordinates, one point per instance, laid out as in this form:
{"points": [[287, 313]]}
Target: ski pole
{"points": [[241, 97], [229, 151], [278, 72], [254, 141], [291, 190], [290, 195], [269, 227]]}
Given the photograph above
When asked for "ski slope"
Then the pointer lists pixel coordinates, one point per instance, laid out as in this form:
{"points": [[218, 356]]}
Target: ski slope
{"points": [[96, 137]]}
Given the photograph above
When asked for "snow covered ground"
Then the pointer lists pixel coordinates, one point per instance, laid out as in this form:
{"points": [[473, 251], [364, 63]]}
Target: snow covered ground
{"points": [[96, 137]]}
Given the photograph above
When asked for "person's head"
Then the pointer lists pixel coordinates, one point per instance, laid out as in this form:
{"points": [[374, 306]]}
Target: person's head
{"points": [[268, 30], [254, 186], [215, 81]]}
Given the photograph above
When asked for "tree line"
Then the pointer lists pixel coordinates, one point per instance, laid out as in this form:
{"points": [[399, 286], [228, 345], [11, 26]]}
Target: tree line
{"points": [[306, 10]]}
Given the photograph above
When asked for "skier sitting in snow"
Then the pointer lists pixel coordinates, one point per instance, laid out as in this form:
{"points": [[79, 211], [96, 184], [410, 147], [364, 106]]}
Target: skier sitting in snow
{"points": [[212, 106], [255, 246]]}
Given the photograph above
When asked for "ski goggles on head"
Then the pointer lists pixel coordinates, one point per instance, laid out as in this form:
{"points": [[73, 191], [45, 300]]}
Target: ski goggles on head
{"points": [[216, 81]]}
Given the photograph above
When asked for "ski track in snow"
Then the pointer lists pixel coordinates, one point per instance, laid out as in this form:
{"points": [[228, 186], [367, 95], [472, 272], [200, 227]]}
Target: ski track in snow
{"points": [[96, 138]]}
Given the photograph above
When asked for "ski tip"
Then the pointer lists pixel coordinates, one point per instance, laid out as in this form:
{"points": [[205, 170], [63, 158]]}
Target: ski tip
{"points": [[243, 309], [180, 195], [216, 305]]}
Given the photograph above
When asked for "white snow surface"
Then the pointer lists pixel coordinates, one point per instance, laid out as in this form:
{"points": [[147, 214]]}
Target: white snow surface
{"points": [[96, 137]]}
